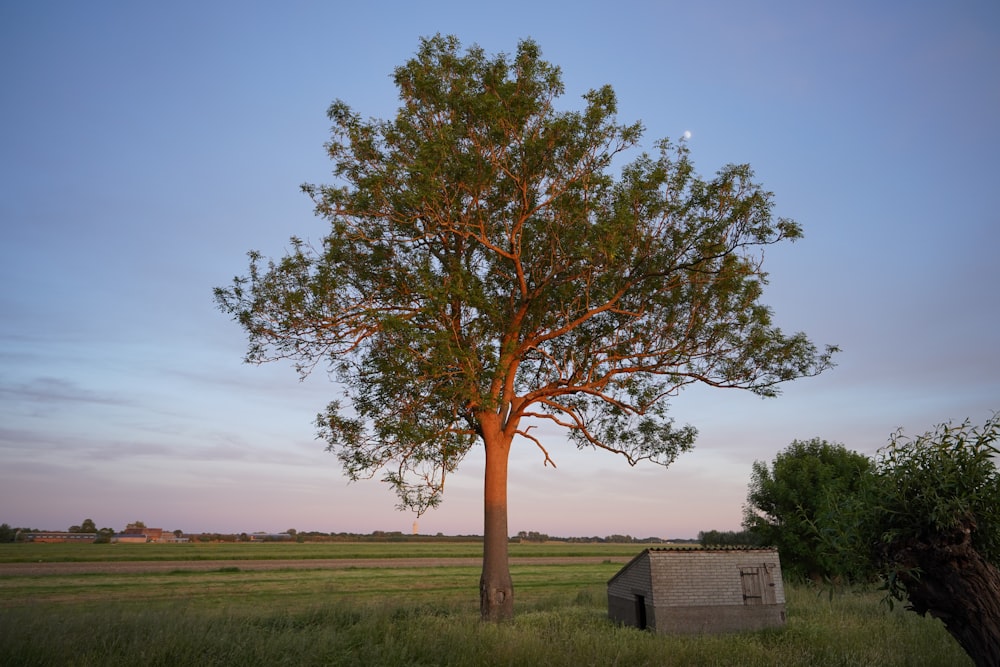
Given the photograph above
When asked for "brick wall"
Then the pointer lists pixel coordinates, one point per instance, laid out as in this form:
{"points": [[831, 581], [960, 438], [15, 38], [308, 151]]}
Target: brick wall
{"points": [[699, 590], [708, 577]]}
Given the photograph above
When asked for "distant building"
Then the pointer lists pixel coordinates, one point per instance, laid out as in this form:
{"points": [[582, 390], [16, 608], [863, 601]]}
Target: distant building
{"points": [[151, 534], [59, 536], [270, 537], [692, 591]]}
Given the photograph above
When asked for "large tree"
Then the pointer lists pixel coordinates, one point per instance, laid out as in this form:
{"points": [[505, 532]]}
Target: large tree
{"points": [[928, 518], [788, 504], [484, 272]]}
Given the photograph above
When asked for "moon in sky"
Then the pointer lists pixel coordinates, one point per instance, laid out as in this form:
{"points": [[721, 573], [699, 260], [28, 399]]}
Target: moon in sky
{"points": [[687, 134]]}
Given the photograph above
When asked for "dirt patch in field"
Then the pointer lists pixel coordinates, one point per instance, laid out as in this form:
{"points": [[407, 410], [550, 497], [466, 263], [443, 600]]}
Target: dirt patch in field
{"points": [[127, 567]]}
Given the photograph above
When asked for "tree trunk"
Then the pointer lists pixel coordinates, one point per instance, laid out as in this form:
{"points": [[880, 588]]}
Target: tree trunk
{"points": [[953, 582], [496, 589]]}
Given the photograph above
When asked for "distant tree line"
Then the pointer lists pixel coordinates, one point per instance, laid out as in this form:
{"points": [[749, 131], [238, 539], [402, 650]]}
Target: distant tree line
{"points": [[521, 536], [8, 534], [729, 538]]}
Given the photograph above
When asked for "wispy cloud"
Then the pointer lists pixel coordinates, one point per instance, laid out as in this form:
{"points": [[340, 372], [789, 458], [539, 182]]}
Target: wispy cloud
{"points": [[54, 390]]}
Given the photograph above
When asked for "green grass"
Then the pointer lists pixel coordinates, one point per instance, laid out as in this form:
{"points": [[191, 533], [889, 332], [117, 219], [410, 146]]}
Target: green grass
{"points": [[35, 552], [418, 616], [291, 587]]}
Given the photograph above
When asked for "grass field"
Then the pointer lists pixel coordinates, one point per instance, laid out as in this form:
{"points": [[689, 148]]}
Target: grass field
{"points": [[406, 616], [27, 553]]}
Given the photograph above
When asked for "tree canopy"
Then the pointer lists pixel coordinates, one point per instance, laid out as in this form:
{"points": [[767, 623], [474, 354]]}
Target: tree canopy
{"points": [[942, 483], [789, 502], [927, 519], [484, 272]]}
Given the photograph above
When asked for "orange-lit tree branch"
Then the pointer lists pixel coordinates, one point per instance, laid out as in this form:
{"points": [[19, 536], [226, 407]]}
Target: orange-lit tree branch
{"points": [[483, 266]]}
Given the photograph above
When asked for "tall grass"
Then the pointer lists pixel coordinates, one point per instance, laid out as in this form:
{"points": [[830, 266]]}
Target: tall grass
{"points": [[371, 617]]}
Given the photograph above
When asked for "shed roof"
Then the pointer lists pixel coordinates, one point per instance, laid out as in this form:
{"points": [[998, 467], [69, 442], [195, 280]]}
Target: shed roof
{"points": [[660, 550]]}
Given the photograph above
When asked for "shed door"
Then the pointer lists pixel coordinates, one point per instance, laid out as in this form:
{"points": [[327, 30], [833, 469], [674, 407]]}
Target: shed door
{"points": [[757, 585], [640, 612]]}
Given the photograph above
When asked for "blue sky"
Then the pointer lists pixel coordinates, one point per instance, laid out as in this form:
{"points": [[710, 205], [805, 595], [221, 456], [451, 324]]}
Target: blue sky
{"points": [[146, 147]]}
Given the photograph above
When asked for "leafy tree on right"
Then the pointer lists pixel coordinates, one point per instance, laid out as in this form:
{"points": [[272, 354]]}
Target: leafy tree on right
{"points": [[788, 505], [928, 518]]}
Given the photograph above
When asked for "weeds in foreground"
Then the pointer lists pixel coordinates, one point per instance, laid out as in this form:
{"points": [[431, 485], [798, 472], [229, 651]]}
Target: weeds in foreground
{"points": [[568, 628]]}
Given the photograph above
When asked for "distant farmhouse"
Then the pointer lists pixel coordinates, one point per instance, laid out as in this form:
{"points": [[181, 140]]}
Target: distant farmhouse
{"points": [[59, 536], [137, 533], [693, 591], [140, 534]]}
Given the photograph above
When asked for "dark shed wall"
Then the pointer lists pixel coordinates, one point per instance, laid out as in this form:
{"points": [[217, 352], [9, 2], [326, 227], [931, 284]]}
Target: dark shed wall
{"points": [[627, 589]]}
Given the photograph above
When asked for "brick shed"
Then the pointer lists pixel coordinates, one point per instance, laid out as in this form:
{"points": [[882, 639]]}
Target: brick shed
{"points": [[699, 591]]}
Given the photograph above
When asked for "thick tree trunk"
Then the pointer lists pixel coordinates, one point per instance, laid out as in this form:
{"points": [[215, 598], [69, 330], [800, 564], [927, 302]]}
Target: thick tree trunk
{"points": [[496, 589], [955, 583]]}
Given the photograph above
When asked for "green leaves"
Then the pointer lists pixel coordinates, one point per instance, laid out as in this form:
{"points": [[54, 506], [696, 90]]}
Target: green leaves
{"points": [[941, 483], [483, 263], [792, 505], [925, 500]]}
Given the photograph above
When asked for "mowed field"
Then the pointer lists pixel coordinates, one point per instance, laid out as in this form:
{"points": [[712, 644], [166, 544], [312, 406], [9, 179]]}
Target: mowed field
{"points": [[63, 558], [394, 604]]}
